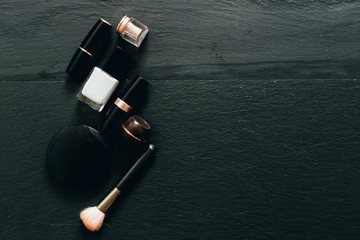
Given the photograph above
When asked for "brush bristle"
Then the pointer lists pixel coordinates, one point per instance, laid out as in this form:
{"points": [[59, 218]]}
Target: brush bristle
{"points": [[92, 218]]}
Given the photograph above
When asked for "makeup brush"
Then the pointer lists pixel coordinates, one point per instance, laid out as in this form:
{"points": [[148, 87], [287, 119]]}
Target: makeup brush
{"points": [[93, 217]]}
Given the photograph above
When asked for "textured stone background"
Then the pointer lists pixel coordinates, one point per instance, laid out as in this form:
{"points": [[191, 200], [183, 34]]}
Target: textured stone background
{"points": [[254, 107]]}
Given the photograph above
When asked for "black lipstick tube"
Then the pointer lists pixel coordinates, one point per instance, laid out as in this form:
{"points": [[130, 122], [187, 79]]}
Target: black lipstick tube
{"points": [[90, 50], [95, 39], [124, 106]]}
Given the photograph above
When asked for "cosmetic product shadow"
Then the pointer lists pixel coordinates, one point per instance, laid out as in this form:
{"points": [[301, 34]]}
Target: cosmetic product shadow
{"points": [[72, 84], [85, 115], [135, 52], [143, 49], [144, 102], [128, 47], [76, 193], [88, 235]]}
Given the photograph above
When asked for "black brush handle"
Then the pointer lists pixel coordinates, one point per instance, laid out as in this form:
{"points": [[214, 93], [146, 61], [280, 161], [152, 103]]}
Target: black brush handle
{"points": [[113, 121], [137, 164], [110, 198]]}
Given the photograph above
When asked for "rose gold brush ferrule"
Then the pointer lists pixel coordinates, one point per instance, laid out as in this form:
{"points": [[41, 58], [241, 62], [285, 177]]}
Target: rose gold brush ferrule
{"points": [[122, 105], [109, 199]]}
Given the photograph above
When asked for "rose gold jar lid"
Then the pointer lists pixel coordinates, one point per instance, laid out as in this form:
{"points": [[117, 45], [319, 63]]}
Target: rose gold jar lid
{"points": [[122, 24]]}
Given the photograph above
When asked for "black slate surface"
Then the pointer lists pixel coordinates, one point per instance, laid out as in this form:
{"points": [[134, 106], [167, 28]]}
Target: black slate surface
{"points": [[254, 107]]}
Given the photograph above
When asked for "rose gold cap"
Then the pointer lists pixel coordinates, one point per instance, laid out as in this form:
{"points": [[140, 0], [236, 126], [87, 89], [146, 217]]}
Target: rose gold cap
{"points": [[122, 105], [137, 128], [122, 24]]}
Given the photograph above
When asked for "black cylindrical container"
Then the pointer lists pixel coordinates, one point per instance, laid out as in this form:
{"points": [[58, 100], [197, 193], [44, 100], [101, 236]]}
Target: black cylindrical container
{"points": [[81, 63], [95, 39], [134, 133], [118, 64], [90, 50], [124, 106]]}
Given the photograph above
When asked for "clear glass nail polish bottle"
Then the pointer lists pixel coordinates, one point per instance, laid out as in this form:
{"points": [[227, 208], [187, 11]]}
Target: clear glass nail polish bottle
{"points": [[132, 30], [101, 83], [97, 89]]}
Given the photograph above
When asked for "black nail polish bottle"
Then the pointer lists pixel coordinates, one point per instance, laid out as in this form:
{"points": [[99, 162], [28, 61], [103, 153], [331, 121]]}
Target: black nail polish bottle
{"points": [[135, 132]]}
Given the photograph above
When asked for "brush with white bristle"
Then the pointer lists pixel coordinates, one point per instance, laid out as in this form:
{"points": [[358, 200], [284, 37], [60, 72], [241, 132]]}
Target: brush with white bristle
{"points": [[93, 217]]}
